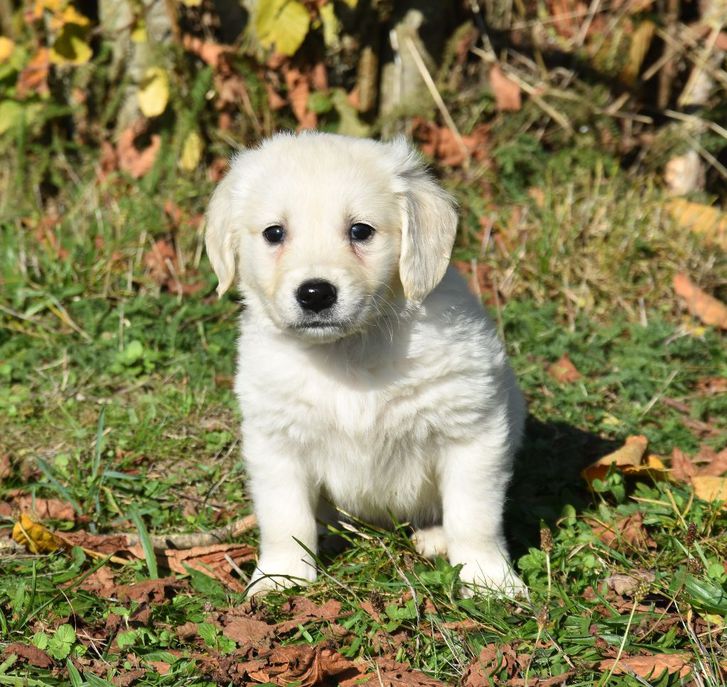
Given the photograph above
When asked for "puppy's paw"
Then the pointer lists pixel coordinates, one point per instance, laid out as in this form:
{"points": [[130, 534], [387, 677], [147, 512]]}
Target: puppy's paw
{"points": [[491, 576], [430, 542], [276, 573]]}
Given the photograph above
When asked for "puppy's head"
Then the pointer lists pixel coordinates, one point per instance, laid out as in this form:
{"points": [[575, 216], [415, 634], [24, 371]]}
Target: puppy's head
{"points": [[327, 233]]}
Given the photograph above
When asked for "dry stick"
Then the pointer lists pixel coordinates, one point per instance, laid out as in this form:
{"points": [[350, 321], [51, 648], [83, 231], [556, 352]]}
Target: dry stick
{"points": [[436, 96], [669, 70], [185, 540]]}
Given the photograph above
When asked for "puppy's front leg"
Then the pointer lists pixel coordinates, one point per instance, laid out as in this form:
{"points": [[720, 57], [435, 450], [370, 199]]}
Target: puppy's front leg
{"points": [[474, 480], [284, 499]]}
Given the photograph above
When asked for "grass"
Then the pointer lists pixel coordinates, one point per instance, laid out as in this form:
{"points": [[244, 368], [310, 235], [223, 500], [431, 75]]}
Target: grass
{"points": [[116, 398]]}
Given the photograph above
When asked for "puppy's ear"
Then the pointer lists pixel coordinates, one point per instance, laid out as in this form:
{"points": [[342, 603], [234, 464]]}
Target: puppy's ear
{"points": [[429, 227], [220, 237]]}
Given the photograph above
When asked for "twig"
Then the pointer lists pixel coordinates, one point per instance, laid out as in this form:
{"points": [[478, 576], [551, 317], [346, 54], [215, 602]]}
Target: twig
{"points": [[185, 540], [436, 96]]}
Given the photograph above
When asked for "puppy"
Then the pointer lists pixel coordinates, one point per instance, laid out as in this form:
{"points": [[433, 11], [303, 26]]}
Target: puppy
{"points": [[369, 377]]}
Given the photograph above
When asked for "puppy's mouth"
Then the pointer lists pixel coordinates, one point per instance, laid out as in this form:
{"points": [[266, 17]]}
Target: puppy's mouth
{"points": [[320, 325]]}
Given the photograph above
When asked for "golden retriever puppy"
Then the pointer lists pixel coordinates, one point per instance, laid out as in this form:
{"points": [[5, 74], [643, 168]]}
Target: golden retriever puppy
{"points": [[369, 377]]}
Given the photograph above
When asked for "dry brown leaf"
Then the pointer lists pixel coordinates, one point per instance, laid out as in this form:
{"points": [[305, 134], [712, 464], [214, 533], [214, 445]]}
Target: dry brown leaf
{"points": [[710, 462], [304, 611], [701, 219], [391, 673], [208, 52], [298, 92], [30, 654], [506, 91], [627, 584], [681, 467], [212, 561], [34, 77], [707, 308], [101, 582], [629, 530], [305, 665], [650, 666], [150, 591], [564, 371], [710, 488], [134, 159], [249, 632], [162, 265], [46, 509], [443, 144]]}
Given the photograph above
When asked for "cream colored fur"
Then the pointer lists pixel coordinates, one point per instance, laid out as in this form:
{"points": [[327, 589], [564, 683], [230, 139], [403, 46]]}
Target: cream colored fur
{"points": [[405, 405]]}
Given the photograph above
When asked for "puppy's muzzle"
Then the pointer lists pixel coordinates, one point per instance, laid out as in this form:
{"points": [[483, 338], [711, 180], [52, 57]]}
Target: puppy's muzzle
{"points": [[316, 295]]}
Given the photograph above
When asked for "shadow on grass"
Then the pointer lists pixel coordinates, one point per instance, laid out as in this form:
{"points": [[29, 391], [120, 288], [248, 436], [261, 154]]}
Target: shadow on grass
{"points": [[547, 478]]}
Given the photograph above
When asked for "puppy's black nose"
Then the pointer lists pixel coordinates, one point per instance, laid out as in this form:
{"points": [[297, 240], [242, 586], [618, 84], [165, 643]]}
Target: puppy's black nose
{"points": [[316, 295]]}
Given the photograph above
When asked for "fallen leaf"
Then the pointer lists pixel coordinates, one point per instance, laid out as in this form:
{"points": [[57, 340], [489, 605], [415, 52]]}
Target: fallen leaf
{"points": [[649, 666], [162, 265], [212, 561], [249, 632], [34, 77], [304, 611], [71, 45], [707, 308], [710, 462], [135, 158], [629, 530], [640, 40], [7, 46], [710, 488], [629, 459], [151, 591], [208, 52], [626, 584], [153, 93], [564, 371], [304, 665], [391, 673], [298, 92], [191, 152], [35, 537], [30, 654], [45, 509], [442, 143], [701, 219], [101, 583], [506, 91], [681, 467], [281, 24]]}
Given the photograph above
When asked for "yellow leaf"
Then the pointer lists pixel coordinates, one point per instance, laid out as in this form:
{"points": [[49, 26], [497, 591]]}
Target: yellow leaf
{"points": [[331, 25], [153, 92], [709, 488], [6, 48], [629, 455], [35, 537], [191, 152], [191, 3], [702, 219], [71, 47], [282, 24], [139, 35], [640, 42], [70, 15]]}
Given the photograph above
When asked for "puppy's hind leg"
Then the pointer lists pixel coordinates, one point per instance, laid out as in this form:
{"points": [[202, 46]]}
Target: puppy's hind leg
{"points": [[474, 481]]}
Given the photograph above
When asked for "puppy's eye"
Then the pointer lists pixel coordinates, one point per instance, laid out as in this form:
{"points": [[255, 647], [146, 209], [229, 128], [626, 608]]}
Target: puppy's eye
{"points": [[274, 234], [360, 232]]}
